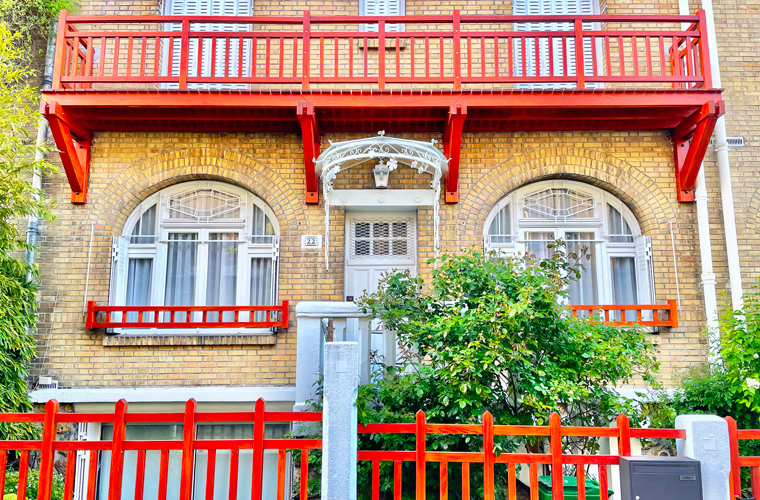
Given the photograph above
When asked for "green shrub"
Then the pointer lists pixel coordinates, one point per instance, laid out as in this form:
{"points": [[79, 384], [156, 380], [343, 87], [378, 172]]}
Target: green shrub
{"points": [[33, 481], [489, 335]]}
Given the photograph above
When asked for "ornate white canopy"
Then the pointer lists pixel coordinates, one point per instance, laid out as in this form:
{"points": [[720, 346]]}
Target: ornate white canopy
{"points": [[389, 151]]}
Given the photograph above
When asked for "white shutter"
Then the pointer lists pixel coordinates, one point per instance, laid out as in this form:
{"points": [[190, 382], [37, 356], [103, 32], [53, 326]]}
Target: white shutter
{"points": [[275, 269], [211, 8], [119, 264], [547, 8], [382, 8], [82, 460], [644, 273]]}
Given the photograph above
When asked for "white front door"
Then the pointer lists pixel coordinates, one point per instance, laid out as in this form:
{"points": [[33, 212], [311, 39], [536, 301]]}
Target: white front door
{"points": [[378, 243]]}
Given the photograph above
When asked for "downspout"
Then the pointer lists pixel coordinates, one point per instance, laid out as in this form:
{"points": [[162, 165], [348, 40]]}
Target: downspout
{"points": [[33, 227], [705, 246], [724, 170]]}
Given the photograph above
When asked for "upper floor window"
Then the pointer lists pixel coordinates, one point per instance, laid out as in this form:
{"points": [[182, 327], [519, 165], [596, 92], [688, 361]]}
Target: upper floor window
{"points": [[382, 8], [197, 244], [216, 58], [556, 55], [620, 268]]}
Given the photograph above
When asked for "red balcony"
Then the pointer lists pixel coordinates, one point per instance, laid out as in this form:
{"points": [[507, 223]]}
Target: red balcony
{"points": [[446, 74], [633, 315], [177, 317]]}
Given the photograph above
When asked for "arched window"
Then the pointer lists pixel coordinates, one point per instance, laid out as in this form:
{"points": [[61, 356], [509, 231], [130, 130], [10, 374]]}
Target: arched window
{"points": [[528, 219], [197, 244]]}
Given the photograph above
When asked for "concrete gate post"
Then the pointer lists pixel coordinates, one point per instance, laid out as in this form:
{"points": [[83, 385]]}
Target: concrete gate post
{"points": [[707, 441], [339, 420]]}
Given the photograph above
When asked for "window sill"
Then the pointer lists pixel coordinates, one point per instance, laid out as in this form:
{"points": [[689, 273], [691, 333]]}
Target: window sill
{"points": [[189, 339]]}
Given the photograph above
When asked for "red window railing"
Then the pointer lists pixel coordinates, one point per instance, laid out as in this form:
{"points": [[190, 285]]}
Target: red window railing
{"points": [[99, 316], [555, 459], [738, 462], [187, 448], [645, 315], [443, 51]]}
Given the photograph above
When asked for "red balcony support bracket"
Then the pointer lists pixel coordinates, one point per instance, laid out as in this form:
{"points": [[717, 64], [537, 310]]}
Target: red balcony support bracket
{"points": [[73, 140], [690, 140], [307, 117], [452, 146]]}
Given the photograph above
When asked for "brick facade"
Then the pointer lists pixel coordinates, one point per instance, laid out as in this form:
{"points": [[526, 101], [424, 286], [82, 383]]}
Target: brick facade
{"points": [[125, 168]]}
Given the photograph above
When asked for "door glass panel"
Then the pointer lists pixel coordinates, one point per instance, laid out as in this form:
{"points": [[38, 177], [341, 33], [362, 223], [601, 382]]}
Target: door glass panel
{"points": [[583, 291], [261, 285], [181, 271], [139, 276], [537, 244], [221, 281], [624, 285]]}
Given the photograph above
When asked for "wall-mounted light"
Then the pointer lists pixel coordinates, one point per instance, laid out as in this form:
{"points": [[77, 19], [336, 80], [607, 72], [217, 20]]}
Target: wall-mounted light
{"points": [[382, 172]]}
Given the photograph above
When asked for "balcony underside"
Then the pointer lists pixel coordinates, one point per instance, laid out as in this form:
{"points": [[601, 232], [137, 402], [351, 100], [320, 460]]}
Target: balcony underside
{"points": [[688, 113]]}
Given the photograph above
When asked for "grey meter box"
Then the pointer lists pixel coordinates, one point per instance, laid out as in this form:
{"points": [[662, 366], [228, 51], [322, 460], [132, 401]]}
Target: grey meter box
{"points": [[660, 478]]}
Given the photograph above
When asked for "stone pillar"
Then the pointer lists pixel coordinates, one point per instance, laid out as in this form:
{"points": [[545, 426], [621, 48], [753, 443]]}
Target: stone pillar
{"points": [[707, 441], [339, 421], [308, 359]]}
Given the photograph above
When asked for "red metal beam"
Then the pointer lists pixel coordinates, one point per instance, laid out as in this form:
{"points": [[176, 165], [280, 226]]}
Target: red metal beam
{"points": [[452, 146], [690, 141], [310, 132], [73, 139]]}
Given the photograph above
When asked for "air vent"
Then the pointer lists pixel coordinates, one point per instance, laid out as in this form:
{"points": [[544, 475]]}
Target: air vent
{"points": [[47, 383], [733, 142]]}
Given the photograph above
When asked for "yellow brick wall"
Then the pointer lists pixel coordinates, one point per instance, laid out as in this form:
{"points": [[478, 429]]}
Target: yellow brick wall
{"points": [[127, 167]]}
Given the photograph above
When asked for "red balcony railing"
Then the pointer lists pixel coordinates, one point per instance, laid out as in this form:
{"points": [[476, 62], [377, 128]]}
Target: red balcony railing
{"points": [[99, 316], [645, 315], [443, 51]]}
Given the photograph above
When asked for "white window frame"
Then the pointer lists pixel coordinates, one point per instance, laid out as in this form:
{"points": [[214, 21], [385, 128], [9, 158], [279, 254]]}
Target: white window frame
{"points": [[605, 248], [247, 250]]}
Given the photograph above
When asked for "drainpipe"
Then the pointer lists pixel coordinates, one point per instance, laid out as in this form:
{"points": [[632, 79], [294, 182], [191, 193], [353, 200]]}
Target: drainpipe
{"points": [[33, 230], [705, 245], [724, 170]]}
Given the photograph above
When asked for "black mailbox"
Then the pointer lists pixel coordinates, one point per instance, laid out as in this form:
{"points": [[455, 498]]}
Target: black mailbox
{"points": [[660, 478]]}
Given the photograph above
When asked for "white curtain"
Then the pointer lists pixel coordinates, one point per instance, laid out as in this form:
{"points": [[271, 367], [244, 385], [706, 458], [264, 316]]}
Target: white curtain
{"points": [[181, 269], [583, 291], [261, 285], [624, 286], [139, 275], [221, 282], [152, 463], [501, 226]]}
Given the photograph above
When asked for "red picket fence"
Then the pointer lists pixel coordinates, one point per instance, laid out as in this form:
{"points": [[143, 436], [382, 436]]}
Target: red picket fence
{"points": [[453, 51], [737, 462], [45, 450], [554, 432]]}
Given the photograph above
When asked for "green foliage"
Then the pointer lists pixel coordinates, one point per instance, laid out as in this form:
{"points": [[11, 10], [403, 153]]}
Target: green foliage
{"points": [[32, 20], [490, 335], [740, 349], [18, 200], [33, 480], [728, 388]]}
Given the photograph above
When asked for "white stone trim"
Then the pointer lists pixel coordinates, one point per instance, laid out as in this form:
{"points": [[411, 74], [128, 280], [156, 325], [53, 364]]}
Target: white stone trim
{"points": [[205, 394]]}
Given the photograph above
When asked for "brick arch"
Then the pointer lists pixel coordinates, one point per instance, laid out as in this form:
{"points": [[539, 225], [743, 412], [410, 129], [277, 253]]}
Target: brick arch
{"points": [[142, 179], [633, 187], [751, 219]]}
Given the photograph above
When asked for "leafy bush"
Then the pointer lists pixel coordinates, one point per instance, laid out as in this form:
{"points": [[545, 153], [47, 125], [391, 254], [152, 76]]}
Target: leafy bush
{"points": [[32, 20], [33, 481], [727, 388], [18, 200], [489, 335]]}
